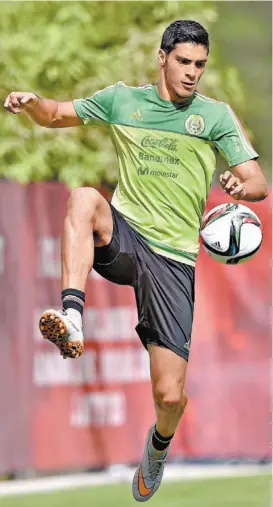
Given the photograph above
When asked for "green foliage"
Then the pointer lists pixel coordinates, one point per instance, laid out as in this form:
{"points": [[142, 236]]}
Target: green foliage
{"points": [[244, 36], [67, 50]]}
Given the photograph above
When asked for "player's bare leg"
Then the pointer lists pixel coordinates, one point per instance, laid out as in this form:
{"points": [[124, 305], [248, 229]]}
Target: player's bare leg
{"points": [[88, 213], [168, 371], [88, 221]]}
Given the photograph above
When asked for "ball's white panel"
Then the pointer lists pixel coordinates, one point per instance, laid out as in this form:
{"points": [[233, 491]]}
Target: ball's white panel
{"points": [[251, 238], [217, 234]]}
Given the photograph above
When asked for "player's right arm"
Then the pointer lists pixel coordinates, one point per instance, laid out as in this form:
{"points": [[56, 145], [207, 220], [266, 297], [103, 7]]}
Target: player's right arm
{"points": [[45, 112]]}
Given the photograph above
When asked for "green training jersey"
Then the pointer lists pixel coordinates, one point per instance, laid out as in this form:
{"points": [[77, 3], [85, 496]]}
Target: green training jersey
{"points": [[167, 156]]}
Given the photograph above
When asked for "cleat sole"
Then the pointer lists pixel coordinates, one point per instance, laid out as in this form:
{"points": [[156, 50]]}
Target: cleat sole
{"points": [[54, 329]]}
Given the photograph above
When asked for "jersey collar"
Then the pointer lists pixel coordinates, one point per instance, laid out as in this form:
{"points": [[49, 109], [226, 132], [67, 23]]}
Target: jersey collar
{"points": [[171, 104]]}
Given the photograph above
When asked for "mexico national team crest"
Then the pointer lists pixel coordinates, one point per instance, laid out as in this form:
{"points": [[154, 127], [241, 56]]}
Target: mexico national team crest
{"points": [[195, 124]]}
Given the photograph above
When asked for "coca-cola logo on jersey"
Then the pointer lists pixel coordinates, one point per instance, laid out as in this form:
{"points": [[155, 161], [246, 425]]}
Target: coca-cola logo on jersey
{"points": [[167, 142]]}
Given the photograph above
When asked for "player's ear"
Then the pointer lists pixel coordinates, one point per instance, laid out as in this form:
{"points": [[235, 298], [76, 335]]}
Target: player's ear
{"points": [[161, 56]]}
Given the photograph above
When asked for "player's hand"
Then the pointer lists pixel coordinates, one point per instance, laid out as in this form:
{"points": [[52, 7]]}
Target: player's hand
{"points": [[18, 101], [232, 185]]}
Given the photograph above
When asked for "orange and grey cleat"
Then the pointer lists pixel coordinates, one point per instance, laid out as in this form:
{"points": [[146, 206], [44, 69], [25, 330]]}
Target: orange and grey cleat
{"points": [[149, 473], [67, 335]]}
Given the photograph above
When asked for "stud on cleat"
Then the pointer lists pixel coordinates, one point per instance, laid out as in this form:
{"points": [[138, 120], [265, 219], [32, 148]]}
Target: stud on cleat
{"points": [[67, 335]]}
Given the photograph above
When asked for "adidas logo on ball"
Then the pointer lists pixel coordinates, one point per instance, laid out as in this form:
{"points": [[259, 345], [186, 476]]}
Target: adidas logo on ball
{"points": [[216, 244]]}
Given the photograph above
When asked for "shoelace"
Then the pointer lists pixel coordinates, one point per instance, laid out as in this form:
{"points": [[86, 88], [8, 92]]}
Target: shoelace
{"points": [[155, 466]]}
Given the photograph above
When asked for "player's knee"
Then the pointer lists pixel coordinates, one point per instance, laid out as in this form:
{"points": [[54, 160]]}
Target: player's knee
{"points": [[83, 202], [170, 399]]}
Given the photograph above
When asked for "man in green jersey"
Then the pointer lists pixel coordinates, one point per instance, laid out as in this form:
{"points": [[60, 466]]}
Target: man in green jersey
{"points": [[167, 136]]}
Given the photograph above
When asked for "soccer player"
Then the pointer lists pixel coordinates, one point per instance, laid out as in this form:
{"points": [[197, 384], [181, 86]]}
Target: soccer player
{"points": [[167, 136]]}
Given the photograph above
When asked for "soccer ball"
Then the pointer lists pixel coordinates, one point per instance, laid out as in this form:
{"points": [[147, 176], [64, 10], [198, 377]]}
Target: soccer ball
{"points": [[231, 233]]}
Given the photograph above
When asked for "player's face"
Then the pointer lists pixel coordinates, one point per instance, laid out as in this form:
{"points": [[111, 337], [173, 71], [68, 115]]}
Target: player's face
{"points": [[182, 69]]}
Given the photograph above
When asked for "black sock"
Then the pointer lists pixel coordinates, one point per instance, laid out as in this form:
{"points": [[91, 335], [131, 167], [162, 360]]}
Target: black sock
{"points": [[160, 443], [73, 298]]}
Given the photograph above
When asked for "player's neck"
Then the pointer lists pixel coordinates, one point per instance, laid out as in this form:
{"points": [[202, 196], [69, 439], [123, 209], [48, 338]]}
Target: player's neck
{"points": [[166, 94]]}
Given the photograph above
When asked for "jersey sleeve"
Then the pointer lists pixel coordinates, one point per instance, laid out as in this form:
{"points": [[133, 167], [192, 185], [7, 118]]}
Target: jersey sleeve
{"points": [[231, 140], [98, 107]]}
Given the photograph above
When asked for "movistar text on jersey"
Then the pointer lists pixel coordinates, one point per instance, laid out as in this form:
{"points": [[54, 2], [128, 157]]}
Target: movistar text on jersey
{"points": [[145, 171]]}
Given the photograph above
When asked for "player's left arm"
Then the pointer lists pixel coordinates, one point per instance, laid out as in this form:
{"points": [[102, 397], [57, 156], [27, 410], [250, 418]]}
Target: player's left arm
{"points": [[246, 182]]}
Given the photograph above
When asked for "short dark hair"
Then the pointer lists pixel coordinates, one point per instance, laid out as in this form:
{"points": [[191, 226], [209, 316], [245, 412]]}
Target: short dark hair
{"points": [[184, 31]]}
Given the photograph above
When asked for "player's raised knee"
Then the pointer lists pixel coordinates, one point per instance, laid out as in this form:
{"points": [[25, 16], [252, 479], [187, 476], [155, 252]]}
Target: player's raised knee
{"points": [[84, 201], [84, 195]]}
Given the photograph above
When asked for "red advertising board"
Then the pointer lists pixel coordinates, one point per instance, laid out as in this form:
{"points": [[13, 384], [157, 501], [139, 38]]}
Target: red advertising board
{"points": [[95, 411]]}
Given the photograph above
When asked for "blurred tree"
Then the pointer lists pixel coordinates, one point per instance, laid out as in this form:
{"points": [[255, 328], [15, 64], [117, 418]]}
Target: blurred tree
{"points": [[67, 50], [244, 38]]}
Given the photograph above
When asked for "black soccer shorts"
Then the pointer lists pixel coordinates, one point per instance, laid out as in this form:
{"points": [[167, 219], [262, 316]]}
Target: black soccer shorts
{"points": [[164, 288]]}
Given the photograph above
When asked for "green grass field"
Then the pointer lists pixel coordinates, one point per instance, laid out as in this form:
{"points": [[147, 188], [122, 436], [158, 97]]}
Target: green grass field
{"points": [[233, 492]]}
